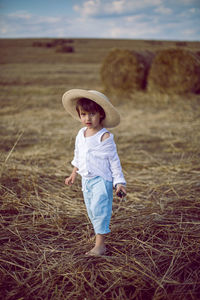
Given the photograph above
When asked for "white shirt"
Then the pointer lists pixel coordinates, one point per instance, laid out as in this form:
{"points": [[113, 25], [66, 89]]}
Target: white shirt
{"points": [[93, 157]]}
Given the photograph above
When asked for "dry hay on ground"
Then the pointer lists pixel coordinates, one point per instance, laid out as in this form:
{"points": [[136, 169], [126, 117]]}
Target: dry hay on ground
{"points": [[153, 251], [125, 71], [153, 248], [174, 71]]}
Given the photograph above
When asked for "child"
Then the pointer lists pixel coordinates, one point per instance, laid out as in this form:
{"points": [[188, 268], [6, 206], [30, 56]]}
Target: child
{"points": [[95, 158]]}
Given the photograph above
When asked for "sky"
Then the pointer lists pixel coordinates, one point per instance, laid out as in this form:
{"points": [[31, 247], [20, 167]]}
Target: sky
{"points": [[117, 19]]}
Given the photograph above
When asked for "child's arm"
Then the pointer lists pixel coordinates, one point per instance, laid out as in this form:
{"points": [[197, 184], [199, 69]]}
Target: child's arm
{"points": [[71, 179], [118, 176]]}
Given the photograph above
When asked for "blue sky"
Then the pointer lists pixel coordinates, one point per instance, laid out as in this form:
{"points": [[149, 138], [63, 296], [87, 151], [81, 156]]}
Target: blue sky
{"points": [[127, 19]]}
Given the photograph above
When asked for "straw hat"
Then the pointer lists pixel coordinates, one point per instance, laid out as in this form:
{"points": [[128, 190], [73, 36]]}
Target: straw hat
{"points": [[71, 97]]}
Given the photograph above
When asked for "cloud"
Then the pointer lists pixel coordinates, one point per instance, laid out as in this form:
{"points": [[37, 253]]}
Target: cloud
{"points": [[163, 10], [189, 32], [89, 8], [187, 2], [24, 24], [24, 16], [20, 15], [145, 19], [183, 2], [139, 31], [103, 8]]}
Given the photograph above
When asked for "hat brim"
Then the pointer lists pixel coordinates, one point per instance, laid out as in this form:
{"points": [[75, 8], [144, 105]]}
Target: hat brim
{"points": [[70, 98]]}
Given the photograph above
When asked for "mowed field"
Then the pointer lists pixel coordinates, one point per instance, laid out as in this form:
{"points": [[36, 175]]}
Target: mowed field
{"points": [[154, 245]]}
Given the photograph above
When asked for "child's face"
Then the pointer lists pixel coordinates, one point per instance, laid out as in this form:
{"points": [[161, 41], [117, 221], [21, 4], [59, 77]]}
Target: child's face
{"points": [[91, 120]]}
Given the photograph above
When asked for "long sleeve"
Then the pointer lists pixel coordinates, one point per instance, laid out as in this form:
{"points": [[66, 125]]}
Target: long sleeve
{"points": [[76, 154], [115, 166]]}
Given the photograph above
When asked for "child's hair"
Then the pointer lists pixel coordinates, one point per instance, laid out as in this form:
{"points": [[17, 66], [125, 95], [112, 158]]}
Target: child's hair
{"points": [[90, 106]]}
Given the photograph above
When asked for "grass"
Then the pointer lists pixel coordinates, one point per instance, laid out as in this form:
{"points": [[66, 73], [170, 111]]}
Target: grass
{"points": [[153, 249]]}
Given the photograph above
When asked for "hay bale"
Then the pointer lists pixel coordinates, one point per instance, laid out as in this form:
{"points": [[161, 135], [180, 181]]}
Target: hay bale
{"points": [[125, 70], [43, 44], [49, 45], [57, 42], [64, 49], [37, 44], [154, 42], [181, 44], [174, 71]]}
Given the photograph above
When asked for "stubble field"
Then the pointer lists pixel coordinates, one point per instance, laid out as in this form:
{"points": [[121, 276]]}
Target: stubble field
{"points": [[154, 245]]}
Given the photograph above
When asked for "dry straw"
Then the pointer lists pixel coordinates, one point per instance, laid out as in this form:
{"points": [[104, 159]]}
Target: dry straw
{"points": [[153, 252], [154, 245], [125, 71], [174, 71]]}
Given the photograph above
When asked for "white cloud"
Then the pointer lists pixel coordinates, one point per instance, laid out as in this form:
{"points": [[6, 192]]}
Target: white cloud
{"points": [[20, 15], [189, 32], [141, 19], [89, 8], [24, 24], [187, 2], [183, 2], [163, 10], [134, 18], [48, 20], [114, 7], [3, 29], [118, 6], [136, 32], [193, 10]]}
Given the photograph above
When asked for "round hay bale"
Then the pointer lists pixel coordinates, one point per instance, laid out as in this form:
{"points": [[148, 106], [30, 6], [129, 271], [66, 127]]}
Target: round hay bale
{"points": [[125, 70], [49, 45], [64, 49], [57, 42], [174, 71], [181, 44], [37, 44]]}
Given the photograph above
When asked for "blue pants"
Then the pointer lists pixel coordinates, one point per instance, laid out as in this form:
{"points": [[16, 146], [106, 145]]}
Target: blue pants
{"points": [[98, 197]]}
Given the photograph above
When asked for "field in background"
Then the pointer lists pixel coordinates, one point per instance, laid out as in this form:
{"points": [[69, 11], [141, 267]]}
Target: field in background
{"points": [[153, 250]]}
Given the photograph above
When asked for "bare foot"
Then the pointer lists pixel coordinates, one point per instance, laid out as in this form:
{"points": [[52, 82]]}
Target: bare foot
{"points": [[96, 251]]}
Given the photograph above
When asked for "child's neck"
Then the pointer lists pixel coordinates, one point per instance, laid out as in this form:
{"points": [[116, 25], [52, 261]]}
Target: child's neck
{"points": [[92, 131]]}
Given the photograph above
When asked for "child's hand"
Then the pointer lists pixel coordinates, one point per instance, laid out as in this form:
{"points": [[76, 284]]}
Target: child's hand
{"points": [[70, 180], [120, 190]]}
